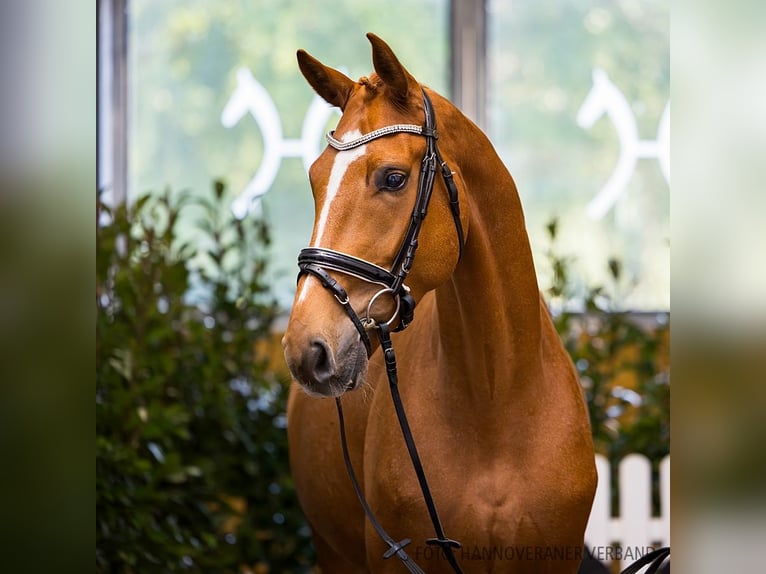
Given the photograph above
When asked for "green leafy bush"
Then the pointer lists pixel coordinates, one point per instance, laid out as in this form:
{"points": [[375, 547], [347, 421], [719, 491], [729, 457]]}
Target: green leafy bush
{"points": [[622, 359], [191, 448]]}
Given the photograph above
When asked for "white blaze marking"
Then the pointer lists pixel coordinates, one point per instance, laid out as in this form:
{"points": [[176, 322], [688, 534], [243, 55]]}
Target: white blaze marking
{"points": [[343, 160]]}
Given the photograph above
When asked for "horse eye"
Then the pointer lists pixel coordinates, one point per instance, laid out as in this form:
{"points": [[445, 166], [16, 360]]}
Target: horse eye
{"points": [[395, 181]]}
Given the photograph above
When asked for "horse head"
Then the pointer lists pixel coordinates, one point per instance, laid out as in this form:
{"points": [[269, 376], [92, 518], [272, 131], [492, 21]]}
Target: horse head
{"points": [[364, 194]]}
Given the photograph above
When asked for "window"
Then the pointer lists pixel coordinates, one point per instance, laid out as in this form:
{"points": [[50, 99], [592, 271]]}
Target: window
{"points": [[574, 95], [578, 109]]}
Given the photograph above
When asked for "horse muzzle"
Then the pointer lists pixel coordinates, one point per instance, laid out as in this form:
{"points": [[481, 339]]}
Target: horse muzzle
{"points": [[323, 369]]}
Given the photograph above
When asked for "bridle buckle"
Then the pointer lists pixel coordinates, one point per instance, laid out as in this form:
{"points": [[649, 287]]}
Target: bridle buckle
{"points": [[342, 301]]}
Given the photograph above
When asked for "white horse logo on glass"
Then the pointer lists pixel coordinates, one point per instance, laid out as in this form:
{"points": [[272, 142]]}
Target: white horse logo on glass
{"points": [[605, 97], [251, 96]]}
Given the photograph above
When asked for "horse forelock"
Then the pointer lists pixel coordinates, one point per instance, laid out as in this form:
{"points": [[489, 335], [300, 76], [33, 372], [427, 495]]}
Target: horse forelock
{"points": [[372, 83], [374, 87]]}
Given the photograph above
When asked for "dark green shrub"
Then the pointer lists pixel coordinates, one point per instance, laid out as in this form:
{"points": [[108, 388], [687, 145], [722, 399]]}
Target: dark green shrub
{"points": [[191, 449], [622, 359]]}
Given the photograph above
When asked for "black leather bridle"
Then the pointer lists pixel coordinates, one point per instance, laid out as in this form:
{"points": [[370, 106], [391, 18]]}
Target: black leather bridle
{"points": [[317, 261]]}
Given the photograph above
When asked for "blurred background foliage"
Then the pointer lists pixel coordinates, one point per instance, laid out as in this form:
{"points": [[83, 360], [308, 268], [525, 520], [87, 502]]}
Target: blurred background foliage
{"points": [[622, 359], [191, 449], [192, 465]]}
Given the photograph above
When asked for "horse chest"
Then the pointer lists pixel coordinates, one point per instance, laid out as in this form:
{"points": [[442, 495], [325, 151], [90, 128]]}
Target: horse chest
{"points": [[488, 488]]}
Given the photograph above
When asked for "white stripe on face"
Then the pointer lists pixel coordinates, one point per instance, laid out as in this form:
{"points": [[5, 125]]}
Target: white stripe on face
{"points": [[343, 160]]}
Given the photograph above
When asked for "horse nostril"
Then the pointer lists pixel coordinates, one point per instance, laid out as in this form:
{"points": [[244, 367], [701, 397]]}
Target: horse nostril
{"points": [[318, 362]]}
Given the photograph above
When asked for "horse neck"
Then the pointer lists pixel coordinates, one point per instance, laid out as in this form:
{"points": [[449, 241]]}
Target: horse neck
{"points": [[490, 313]]}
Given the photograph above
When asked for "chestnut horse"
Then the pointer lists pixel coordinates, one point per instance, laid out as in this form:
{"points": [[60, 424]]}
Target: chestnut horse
{"points": [[492, 397]]}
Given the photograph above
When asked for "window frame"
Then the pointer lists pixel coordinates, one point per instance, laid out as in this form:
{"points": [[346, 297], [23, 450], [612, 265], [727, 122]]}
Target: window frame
{"points": [[112, 99]]}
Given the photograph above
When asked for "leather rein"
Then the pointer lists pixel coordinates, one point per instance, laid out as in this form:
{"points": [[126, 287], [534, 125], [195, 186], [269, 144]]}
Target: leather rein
{"points": [[317, 261]]}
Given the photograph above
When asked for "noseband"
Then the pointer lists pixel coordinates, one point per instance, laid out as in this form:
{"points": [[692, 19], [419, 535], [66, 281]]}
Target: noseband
{"points": [[317, 261]]}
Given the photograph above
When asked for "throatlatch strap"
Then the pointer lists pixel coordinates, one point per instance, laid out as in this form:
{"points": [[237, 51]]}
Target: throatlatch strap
{"points": [[446, 544], [394, 548]]}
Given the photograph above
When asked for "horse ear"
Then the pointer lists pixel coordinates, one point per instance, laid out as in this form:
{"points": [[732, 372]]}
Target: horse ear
{"points": [[390, 70], [332, 85]]}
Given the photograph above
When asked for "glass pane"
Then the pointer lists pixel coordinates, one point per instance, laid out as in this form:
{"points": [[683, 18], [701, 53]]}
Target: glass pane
{"points": [[215, 92], [579, 111]]}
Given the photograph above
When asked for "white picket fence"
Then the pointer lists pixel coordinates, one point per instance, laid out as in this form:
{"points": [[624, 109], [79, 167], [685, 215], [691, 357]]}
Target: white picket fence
{"points": [[635, 530]]}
